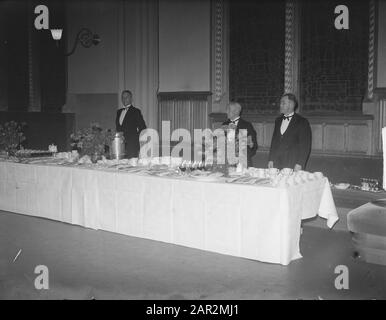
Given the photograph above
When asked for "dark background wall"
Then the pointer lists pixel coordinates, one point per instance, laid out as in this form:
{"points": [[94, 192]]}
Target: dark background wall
{"points": [[3, 61], [256, 67], [15, 48], [333, 68], [43, 128], [48, 62], [52, 62], [25, 51]]}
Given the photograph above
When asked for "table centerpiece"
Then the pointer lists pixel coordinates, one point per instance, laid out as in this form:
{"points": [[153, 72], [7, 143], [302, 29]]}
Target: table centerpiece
{"points": [[92, 141], [11, 137]]}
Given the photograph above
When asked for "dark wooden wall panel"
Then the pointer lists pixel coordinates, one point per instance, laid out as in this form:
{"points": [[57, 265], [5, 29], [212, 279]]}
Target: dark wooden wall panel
{"points": [[3, 58], [48, 63], [333, 70], [17, 53], [52, 61], [43, 128], [256, 67]]}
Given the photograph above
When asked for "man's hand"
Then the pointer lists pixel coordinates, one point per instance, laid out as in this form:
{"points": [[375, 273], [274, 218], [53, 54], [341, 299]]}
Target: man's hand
{"points": [[249, 142], [270, 164], [297, 167]]}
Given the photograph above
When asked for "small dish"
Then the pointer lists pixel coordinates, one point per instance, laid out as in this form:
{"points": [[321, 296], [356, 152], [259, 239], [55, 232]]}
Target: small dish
{"points": [[211, 177], [318, 174], [342, 186], [286, 171]]}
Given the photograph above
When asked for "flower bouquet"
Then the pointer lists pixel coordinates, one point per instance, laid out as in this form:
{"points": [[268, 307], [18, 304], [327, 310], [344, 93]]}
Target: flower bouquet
{"points": [[11, 136], [92, 141]]}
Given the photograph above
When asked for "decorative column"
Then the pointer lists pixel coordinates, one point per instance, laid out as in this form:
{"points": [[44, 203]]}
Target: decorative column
{"points": [[218, 49], [371, 105], [376, 85], [370, 77], [292, 47], [220, 54]]}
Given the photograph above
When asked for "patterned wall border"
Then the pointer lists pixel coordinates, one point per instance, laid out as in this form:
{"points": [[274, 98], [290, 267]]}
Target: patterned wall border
{"points": [[218, 47], [289, 45], [370, 79]]}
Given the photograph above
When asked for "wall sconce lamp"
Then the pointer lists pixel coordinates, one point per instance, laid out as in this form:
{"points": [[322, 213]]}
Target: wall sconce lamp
{"points": [[56, 34], [84, 36]]}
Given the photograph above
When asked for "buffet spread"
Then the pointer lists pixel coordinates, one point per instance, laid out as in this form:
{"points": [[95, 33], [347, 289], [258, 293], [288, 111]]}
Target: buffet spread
{"points": [[173, 167], [253, 213]]}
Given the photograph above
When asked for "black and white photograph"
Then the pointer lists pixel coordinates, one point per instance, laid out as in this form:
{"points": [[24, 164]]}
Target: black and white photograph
{"points": [[192, 155]]}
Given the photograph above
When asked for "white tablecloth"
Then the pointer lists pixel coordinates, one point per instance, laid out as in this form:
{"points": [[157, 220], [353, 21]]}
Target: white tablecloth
{"points": [[255, 222]]}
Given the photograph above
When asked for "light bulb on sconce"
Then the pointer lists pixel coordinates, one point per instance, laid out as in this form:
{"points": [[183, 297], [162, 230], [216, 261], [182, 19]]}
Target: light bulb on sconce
{"points": [[56, 34]]}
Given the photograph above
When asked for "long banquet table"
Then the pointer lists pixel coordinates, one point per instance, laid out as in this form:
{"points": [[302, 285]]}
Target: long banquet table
{"points": [[256, 222]]}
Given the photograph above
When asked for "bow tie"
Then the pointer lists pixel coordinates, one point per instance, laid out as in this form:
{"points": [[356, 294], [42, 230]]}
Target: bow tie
{"points": [[287, 117], [234, 121]]}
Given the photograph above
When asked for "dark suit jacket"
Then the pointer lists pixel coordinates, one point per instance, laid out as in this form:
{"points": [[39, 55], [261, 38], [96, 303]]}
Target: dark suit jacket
{"points": [[294, 146], [251, 132], [131, 127]]}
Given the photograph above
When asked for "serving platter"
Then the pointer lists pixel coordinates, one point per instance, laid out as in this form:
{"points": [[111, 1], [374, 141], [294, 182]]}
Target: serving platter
{"points": [[342, 186], [207, 176]]}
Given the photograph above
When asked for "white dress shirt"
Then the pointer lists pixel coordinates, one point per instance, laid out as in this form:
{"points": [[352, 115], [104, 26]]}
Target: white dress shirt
{"points": [[285, 123], [123, 113], [232, 132], [235, 121]]}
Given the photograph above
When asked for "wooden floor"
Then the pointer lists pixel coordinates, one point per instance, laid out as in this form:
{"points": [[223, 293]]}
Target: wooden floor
{"points": [[86, 264]]}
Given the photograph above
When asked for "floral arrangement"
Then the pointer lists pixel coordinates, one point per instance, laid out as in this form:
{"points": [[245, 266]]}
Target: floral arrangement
{"points": [[92, 140], [11, 136]]}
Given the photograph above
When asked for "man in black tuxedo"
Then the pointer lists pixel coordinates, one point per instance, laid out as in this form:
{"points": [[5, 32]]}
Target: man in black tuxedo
{"points": [[234, 111], [129, 120], [291, 139]]}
